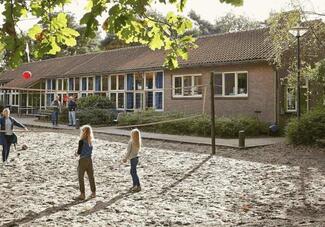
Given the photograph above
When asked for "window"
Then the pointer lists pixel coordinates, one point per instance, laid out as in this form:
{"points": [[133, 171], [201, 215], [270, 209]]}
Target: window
{"points": [[65, 84], [105, 83], [59, 84], [121, 82], [159, 100], [129, 100], [149, 99], [138, 81], [231, 84], [113, 99], [84, 84], [120, 101], [149, 80], [159, 80], [138, 100], [71, 84], [98, 83], [113, 83], [187, 86], [291, 100], [130, 82], [90, 83], [77, 84]]}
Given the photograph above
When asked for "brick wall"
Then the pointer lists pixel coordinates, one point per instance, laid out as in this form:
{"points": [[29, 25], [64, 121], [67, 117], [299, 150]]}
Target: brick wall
{"points": [[261, 93]]}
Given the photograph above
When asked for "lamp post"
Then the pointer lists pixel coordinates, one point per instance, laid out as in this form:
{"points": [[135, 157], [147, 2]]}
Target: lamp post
{"points": [[298, 32]]}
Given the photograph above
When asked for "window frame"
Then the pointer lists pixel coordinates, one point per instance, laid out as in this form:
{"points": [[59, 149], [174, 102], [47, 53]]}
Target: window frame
{"points": [[236, 95], [182, 87]]}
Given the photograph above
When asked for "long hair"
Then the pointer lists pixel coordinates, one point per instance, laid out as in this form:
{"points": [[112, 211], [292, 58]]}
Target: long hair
{"points": [[136, 138], [86, 133]]}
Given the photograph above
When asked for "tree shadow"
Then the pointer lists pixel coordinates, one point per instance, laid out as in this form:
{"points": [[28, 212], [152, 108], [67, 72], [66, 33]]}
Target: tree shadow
{"points": [[31, 216]]}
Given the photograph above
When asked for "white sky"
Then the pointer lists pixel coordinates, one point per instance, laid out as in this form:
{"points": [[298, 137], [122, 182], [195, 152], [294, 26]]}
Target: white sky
{"points": [[211, 9]]}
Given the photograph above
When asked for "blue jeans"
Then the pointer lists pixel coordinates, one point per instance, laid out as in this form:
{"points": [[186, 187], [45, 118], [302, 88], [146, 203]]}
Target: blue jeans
{"points": [[72, 118], [6, 147], [134, 162], [55, 117]]}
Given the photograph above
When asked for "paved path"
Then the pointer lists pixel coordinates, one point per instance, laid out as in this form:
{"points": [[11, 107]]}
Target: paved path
{"points": [[250, 142]]}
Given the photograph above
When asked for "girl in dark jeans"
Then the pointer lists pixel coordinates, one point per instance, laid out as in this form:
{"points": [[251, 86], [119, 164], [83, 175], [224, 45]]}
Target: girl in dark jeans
{"points": [[7, 137], [85, 150], [132, 151]]}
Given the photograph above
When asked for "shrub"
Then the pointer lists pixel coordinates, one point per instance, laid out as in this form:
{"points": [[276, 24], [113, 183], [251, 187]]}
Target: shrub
{"points": [[308, 129], [94, 116], [99, 102], [198, 126]]}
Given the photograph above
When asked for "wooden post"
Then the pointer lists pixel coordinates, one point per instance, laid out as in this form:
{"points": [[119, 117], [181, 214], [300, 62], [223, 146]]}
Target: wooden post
{"points": [[213, 132]]}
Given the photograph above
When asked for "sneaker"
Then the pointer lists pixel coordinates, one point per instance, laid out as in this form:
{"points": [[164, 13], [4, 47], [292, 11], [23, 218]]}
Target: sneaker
{"points": [[93, 195], [131, 189], [136, 189], [80, 197]]}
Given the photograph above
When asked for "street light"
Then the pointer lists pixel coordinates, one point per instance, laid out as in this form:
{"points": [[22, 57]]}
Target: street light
{"points": [[298, 32]]}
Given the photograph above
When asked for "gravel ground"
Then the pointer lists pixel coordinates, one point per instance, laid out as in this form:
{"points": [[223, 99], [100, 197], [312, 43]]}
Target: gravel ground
{"points": [[278, 185]]}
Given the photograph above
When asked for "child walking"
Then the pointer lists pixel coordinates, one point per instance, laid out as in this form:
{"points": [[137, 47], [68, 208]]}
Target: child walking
{"points": [[85, 149], [131, 154]]}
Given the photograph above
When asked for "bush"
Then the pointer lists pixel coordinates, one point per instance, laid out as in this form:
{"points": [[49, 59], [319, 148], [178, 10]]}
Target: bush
{"points": [[99, 102], [309, 129], [99, 117], [197, 126]]}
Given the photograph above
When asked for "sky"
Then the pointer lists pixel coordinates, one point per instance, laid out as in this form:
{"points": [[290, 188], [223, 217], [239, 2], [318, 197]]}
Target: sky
{"points": [[211, 9]]}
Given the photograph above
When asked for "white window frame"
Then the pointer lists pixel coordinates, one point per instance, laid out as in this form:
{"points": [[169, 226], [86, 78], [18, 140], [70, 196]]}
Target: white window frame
{"points": [[236, 84], [117, 82], [286, 100], [192, 90]]}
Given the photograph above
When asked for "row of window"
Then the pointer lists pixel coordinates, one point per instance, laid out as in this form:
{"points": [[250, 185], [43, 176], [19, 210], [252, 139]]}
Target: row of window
{"points": [[226, 84], [132, 81]]}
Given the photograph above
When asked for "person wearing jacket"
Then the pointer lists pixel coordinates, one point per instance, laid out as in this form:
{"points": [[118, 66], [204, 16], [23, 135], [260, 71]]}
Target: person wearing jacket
{"points": [[72, 106], [7, 136]]}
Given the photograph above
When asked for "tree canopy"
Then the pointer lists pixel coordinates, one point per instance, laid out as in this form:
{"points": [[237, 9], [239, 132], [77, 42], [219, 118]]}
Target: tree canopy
{"points": [[127, 19]]}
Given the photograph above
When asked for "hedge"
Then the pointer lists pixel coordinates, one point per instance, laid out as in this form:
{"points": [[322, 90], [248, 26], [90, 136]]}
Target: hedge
{"points": [[198, 126], [308, 129]]}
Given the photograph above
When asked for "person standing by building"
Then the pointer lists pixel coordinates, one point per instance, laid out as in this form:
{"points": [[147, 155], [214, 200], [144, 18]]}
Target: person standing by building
{"points": [[72, 107], [56, 104], [7, 136]]}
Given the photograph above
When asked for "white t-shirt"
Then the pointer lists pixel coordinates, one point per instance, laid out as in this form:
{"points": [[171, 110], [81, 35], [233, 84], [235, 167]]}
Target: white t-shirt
{"points": [[8, 129]]}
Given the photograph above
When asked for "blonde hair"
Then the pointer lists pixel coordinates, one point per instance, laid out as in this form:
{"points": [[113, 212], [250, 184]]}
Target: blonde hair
{"points": [[136, 138], [86, 133], [6, 110]]}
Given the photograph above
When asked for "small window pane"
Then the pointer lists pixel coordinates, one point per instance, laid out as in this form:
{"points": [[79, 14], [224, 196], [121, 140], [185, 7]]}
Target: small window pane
{"points": [[159, 80], [53, 84], [113, 99], [129, 100], [90, 83], [71, 84], [158, 100], [84, 84], [197, 89], [218, 83], [105, 83], [113, 82], [242, 83], [149, 80], [121, 82], [77, 84], [178, 85], [49, 84], [65, 84], [229, 83], [187, 85], [120, 100], [130, 82], [149, 99], [98, 83], [139, 100], [60, 85], [291, 99], [138, 81]]}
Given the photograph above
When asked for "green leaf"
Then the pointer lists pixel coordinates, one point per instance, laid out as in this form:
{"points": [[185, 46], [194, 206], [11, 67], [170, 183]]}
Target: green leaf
{"points": [[156, 42], [54, 46], [60, 21], [71, 42], [33, 31], [233, 2]]}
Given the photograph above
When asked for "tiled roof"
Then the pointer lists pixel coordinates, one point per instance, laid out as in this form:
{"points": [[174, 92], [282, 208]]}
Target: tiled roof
{"points": [[245, 46]]}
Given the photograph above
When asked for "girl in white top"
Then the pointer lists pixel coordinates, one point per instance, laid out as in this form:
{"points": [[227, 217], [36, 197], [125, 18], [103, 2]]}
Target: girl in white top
{"points": [[131, 154]]}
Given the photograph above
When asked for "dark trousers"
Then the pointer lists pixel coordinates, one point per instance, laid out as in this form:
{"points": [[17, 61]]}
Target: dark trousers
{"points": [[134, 162], [86, 165], [6, 147], [55, 117]]}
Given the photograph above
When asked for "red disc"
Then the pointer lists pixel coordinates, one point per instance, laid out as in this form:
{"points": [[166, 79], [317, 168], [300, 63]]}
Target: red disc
{"points": [[27, 75]]}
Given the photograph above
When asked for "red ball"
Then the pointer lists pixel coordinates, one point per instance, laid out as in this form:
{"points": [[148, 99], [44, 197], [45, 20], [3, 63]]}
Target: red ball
{"points": [[27, 75]]}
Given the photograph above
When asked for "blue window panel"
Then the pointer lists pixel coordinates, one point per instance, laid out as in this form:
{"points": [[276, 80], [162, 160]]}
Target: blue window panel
{"points": [[159, 100], [159, 80], [53, 84], [130, 82], [98, 83], [49, 84], [71, 84], [129, 100], [149, 99], [49, 99], [84, 84]]}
